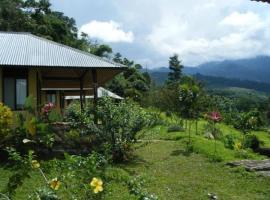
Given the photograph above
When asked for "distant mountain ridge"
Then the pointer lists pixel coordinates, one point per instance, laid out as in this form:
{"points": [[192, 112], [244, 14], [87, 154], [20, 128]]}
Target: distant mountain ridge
{"points": [[253, 69]]}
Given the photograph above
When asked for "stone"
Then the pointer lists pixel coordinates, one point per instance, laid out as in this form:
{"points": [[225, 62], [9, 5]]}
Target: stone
{"points": [[252, 165]]}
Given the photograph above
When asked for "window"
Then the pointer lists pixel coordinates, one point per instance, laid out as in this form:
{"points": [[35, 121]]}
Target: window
{"points": [[15, 90], [51, 97], [21, 92], [9, 94]]}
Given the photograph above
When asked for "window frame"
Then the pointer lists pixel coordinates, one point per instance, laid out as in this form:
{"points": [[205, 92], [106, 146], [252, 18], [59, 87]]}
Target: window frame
{"points": [[15, 74], [51, 93]]}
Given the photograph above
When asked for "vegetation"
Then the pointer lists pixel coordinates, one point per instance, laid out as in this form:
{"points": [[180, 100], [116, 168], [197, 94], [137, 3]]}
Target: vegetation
{"points": [[145, 147], [175, 66]]}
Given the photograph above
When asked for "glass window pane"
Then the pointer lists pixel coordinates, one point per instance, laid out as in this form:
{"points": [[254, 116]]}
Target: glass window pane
{"points": [[9, 92], [51, 98], [21, 92]]}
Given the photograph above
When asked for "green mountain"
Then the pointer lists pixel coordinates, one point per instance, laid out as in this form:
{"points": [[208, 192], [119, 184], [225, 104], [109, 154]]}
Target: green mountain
{"points": [[252, 73]]}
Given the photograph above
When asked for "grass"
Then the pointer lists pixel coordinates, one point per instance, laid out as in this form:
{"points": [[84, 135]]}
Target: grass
{"points": [[171, 173]]}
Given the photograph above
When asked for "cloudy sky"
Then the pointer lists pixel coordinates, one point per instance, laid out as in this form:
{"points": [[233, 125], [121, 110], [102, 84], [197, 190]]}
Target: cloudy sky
{"points": [[149, 31]]}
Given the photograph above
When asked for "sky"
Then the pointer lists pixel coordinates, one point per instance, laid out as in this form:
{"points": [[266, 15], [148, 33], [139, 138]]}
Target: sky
{"points": [[150, 31]]}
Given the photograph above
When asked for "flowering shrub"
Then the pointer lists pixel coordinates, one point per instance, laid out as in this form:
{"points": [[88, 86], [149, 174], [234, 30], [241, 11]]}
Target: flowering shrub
{"points": [[246, 122], [70, 173], [97, 185], [6, 120], [215, 117], [47, 108]]}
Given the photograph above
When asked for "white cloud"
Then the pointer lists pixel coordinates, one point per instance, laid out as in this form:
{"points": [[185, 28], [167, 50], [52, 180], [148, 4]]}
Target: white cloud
{"points": [[211, 31], [198, 30], [243, 20], [107, 31]]}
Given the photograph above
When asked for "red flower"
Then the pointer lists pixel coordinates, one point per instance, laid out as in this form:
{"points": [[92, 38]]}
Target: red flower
{"points": [[215, 116], [47, 108]]}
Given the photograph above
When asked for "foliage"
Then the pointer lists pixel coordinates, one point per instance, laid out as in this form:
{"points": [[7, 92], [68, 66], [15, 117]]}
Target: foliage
{"points": [[38, 18], [136, 187], [74, 170], [248, 121], [6, 121], [251, 141], [189, 94], [229, 141], [44, 194], [132, 82], [120, 123], [175, 66], [175, 128], [21, 168]]}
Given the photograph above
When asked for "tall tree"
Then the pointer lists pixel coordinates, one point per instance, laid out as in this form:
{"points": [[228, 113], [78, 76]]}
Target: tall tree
{"points": [[117, 58], [175, 66], [132, 82]]}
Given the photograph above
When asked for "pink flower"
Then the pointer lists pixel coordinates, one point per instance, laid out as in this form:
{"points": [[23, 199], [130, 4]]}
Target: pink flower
{"points": [[47, 108], [215, 116]]}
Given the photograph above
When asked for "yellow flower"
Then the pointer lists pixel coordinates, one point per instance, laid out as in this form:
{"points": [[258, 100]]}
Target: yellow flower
{"points": [[35, 164], [55, 184], [238, 146], [96, 184]]}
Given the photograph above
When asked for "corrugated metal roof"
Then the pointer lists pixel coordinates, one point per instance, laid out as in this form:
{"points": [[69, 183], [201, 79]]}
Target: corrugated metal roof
{"points": [[25, 49]]}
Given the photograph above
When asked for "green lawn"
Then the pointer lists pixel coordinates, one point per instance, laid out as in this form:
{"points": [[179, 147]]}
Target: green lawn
{"points": [[172, 174]]}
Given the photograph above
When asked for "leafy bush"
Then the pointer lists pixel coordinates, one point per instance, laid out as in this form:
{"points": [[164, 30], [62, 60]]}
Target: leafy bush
{"points": [[174, 128], [54, 116], [251, 141], [117, 128], [248, 121], [119, 124], [6, 121], [228, 141]]}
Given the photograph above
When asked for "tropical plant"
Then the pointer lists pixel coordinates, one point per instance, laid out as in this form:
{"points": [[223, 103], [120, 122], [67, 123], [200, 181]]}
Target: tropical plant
{"points": [[214, 118], [6, 121]]}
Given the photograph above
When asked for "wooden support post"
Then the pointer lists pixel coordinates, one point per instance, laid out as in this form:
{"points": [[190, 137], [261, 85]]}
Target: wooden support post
{"points": [[95, 87], [81, 94], [38, 99]]}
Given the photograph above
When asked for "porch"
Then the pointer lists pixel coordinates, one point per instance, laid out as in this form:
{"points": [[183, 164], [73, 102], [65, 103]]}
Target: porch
{"points": [[49, 71]]}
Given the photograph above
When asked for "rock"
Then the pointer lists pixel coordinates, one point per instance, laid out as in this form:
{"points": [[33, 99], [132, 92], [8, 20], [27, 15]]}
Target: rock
{"points": [[263, 173], [252, 165], [212, 196]]}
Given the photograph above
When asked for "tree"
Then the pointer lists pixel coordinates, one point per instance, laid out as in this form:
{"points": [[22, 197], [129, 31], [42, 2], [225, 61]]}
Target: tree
{"points": [[38, 18], [118, 58], [189, 94], [175, 66], [132, 82]]}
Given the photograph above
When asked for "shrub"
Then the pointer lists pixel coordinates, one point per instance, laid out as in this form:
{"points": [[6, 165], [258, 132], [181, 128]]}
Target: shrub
{"points": [[251, 141], [120, 123], [54, 116], [175, 128], [6, 121], [228, 141]]}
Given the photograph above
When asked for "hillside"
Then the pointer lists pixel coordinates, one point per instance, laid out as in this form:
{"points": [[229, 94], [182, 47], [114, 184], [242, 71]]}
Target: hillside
{"points": [[212, 82], [250, 73], [254, 69]]}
